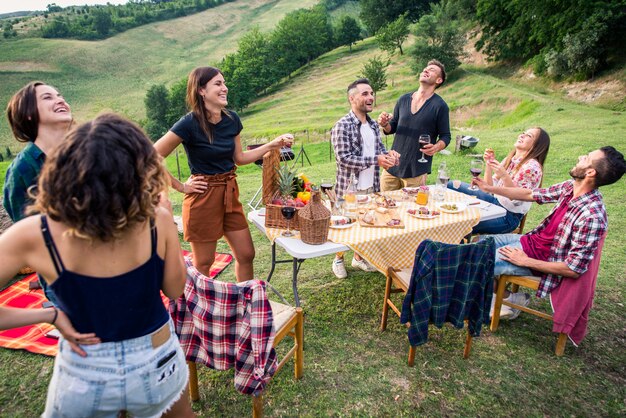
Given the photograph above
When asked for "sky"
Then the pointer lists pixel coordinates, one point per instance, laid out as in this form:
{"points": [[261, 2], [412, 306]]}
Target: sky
{"points": [[22, 5]]}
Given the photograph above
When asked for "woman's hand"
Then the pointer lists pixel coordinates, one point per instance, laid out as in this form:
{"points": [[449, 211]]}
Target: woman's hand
{"points": [[383, 119], [489, 155], [285, 140], [497, 168], [194, 185], [73, 337]]}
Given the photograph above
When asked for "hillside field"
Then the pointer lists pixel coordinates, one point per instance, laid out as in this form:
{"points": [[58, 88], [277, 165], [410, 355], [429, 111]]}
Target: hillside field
{"points": [[351, 368]]}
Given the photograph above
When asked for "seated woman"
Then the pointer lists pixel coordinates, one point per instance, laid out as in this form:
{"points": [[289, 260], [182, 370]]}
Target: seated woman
{"points": [[523, 167], [106, 247]]}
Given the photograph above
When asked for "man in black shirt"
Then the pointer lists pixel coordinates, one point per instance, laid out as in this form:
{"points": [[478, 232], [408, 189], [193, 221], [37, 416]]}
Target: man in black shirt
{"points": [[420, 113]]}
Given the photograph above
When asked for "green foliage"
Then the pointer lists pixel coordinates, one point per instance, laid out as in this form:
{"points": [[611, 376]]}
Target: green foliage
{"points": [[299, 37], [577, 36], [250, 70], [377, 13], [582, 52], [347, 32], [438, 36], [97, 22], [393, 35], [102, 22], [8, 31], [157, 105], [331, 5], [375, 70], [177, 101]]}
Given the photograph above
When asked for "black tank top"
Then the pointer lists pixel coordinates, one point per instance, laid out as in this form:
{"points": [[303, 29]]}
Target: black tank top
{"points": [[115, 308]]}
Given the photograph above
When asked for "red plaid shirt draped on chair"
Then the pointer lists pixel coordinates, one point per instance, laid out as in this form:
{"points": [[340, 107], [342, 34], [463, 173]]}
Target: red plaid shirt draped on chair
{"points": [[225, 325]]}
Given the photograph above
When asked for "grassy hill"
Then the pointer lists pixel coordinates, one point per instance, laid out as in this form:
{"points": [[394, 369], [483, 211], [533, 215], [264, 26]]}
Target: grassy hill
{"points": [[114, 74], [350, 367]]}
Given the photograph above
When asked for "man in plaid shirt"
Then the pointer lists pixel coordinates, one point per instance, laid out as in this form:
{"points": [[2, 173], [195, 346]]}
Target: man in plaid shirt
{"points": [[359, 151], [565, 242]]}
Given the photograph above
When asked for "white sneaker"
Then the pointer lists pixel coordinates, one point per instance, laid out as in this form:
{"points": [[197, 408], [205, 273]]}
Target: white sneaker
{"points": [[505, 311], [362, 265], [339, 268], [518, 298]]}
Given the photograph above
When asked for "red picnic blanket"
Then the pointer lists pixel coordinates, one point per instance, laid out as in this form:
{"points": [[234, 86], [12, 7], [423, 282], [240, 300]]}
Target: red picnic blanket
{"points": [[33, 337]]}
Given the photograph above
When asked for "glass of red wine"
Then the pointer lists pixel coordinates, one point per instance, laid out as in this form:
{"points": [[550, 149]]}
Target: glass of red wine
{"points": [[423, 140], [288, 213], [476, 169]]}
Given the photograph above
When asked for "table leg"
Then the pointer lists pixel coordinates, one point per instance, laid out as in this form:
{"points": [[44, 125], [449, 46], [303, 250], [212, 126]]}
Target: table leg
{"points": [[269, 276], [294, 279]]}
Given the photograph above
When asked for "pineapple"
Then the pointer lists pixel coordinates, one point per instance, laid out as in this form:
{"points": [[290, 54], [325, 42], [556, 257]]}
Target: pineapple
{"points": [[285, 183]]}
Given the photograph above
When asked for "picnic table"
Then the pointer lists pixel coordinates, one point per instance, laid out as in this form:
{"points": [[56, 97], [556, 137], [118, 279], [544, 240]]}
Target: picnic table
{"points": [[382, 247]]}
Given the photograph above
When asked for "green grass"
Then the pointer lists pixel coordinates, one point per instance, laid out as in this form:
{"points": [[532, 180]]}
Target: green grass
{"points": [[351, 368], [114, 74]]}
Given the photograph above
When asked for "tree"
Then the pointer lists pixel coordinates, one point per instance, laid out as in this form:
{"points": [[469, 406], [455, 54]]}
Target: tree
{"points": [[438, 36], [523, 29], [177, 101], [348, 32], [8, 31], [377, 13], [375, 70], [393, 35], [102, 21], [157, 105], [299, 37]]}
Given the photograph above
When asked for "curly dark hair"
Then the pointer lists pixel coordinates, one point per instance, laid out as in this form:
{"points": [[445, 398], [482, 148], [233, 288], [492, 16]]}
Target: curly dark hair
{"points": [[102, 180]]}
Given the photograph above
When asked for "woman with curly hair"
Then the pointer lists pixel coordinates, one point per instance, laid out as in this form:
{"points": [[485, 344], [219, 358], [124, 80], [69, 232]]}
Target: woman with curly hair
{"points": [[107, 247]]}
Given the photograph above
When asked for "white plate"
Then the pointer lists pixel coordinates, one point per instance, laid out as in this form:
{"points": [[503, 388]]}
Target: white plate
{"points": [[460, 207], [410, 190], [422, 216], [336, 218]]}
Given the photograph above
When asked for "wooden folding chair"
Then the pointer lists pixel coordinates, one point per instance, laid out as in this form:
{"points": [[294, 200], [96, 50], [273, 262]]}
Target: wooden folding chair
{"points": [[532, 282], [398, 282], [288, 321]]}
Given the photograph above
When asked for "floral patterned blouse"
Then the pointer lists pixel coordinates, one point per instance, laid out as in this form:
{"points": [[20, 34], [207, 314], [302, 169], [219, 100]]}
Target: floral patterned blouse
{"points": [[528, 176]]}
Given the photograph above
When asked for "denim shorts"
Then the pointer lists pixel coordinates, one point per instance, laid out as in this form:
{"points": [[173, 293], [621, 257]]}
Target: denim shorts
{"points": [[129, 375]]}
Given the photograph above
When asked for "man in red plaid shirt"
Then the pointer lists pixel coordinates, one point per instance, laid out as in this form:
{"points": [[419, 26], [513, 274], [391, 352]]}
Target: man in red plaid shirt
{"points": [[565, 242]]}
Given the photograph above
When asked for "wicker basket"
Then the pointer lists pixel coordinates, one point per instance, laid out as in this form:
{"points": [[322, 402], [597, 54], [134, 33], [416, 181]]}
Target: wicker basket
{"points": [[273, 217], [314, 221]]}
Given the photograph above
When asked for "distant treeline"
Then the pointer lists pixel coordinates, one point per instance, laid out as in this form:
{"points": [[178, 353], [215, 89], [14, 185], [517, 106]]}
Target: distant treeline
{"points": [[98, 22]]}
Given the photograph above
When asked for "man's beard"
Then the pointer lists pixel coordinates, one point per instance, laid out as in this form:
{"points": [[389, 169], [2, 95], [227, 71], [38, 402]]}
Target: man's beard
{"points": [[577, 173]]}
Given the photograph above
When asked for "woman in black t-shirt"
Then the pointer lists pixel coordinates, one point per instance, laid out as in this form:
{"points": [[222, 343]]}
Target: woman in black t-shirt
{"points": [[210, 135]]}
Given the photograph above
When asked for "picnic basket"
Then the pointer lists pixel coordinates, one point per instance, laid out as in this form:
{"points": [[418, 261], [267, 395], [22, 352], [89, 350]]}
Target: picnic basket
{"points": [[314, 221], [273, 217]]}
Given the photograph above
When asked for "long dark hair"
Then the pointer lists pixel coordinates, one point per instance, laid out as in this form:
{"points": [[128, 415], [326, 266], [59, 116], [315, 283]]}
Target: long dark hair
{"points": [[103, 179], [539, 151], [198, 78], [22, 112]]}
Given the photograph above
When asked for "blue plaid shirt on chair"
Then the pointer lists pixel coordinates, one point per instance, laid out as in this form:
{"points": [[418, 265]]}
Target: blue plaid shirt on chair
{"points": [[21, 174], [449, 283], [348, 145]]}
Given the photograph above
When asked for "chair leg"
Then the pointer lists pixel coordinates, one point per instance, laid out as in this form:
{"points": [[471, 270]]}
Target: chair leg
{"points": [[468, 345], [411, 355], [383, 321], [495, 319], [257, 406], [560, 344], [193, 381], [299, 337]]}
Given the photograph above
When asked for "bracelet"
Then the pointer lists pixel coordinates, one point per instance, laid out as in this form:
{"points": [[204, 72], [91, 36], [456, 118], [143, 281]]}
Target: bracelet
{"points": [[56, 314]]}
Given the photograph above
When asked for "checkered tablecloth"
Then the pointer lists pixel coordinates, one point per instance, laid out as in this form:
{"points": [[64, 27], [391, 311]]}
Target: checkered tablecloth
{"points": [[384, 247]]}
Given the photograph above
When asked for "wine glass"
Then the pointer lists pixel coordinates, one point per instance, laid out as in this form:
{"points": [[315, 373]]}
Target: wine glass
{"points": [[288, 213], [423, 140], [476, 168], [326, 185]]}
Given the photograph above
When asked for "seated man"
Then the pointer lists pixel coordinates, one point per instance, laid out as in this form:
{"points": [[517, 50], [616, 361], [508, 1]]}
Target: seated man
{"points": [[565, 242]]}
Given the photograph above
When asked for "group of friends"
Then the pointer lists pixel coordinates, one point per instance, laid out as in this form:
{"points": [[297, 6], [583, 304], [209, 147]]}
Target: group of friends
{"points": [[93, 219]]}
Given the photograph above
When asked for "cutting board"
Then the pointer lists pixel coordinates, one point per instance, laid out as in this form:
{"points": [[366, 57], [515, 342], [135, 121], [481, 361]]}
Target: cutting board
{"points": [[382, 219]]}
